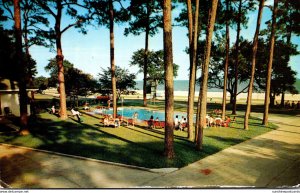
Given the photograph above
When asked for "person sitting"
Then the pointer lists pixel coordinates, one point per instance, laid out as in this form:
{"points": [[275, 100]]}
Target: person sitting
{"points": [[211, 121], [156, 123], [207, 120], [226, 122], [110, 121], [182, 124], [218, 121], [86, 106], [116, 122], [151, 122], [176, 122], [105, 121], [287, 104], [77, 114], [134, 118], [293, 105], [53, 111]]}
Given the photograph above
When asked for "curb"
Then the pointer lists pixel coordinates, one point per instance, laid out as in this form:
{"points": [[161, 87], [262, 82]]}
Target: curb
{"points": [[4, 185], [153, 170]]}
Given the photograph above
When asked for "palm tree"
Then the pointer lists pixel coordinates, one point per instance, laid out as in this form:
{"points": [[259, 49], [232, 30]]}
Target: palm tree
{"points": [[169, 86], [268, 84], [203, 89], [254, 51]]}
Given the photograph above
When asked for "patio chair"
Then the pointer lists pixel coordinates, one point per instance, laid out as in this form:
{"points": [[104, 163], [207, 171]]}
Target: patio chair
{"points": [[218, 122], [162, 124], [130, 121], [7, 111], [156, 124]]}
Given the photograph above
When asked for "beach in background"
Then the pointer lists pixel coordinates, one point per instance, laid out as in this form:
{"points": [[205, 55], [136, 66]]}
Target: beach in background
{"points": [[181, 93], [214, 95]]}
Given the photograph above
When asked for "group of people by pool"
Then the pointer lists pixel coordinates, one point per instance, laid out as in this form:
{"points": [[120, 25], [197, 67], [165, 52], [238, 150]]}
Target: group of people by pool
{"points": [[218, 121], [179, 123], [290, 105]]}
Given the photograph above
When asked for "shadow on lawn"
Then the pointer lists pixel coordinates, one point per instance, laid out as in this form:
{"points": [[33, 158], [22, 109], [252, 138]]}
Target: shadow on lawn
{"points": [[24, 169], [229, 140], [85, 140]]}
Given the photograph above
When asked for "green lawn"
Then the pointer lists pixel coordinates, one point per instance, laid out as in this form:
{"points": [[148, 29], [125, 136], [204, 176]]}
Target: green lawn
{"points": [[135, 146]]}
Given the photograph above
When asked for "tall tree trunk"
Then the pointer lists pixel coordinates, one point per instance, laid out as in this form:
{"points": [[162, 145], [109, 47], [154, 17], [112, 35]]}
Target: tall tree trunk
{"points": [[190, 33], [193, 42], [226, 62], [169, 85], [287, 58], [190, 26], [197, 127], [203, 90], [282, 99], [21, 67], [232, 97], [0, 105], [237, 47], [29, 76], [288, 36], [112, 57], [254, 51], [272, 100], [268, 84], [146, 56], [198, 108], [60, 61]]}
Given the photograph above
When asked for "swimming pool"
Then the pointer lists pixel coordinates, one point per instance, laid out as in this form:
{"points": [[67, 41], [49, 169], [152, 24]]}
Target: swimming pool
{"points": [[143, 114]]}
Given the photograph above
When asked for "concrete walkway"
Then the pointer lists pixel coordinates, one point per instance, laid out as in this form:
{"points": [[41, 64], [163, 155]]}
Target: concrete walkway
{"points": [[269, 160]]}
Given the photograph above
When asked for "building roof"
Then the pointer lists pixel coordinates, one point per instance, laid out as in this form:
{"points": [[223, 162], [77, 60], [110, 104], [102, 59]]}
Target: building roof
{"points": [[7, 86]]}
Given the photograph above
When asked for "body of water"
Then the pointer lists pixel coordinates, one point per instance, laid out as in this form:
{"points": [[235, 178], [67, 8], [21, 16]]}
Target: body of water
{"points": [[179, 85], [183, 85], [144, 114]]}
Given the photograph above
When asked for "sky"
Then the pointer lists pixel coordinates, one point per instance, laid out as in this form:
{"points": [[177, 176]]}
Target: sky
{"points": [[91, 52]]}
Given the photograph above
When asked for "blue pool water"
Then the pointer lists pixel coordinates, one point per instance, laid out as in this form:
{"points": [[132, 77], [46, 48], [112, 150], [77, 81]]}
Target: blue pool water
{"points": [[143, 114]]}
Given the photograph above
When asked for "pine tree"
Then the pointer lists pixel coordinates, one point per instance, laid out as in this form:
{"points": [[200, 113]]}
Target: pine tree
{"points": [[269, 71], [169, 85], [202, 101], [254, 51]]}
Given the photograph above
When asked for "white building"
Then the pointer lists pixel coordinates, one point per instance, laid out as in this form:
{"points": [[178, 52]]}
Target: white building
{"points": [[9, 98]]}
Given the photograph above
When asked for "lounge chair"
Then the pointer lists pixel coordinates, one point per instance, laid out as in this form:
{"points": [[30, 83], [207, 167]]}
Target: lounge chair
{"points": [[111, 122]]}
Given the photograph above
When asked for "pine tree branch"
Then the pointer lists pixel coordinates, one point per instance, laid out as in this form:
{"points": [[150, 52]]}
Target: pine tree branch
{"points": [[120, 3], [11, 15], [46, 8], [79, 5], [243, 91], [71, 25]]}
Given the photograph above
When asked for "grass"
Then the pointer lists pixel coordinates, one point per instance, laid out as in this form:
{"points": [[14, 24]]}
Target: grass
{"points": [[129, 145]]}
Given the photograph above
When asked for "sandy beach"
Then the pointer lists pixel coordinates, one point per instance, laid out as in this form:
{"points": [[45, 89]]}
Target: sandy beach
{"points": [[182, 95], [216, 96]]}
